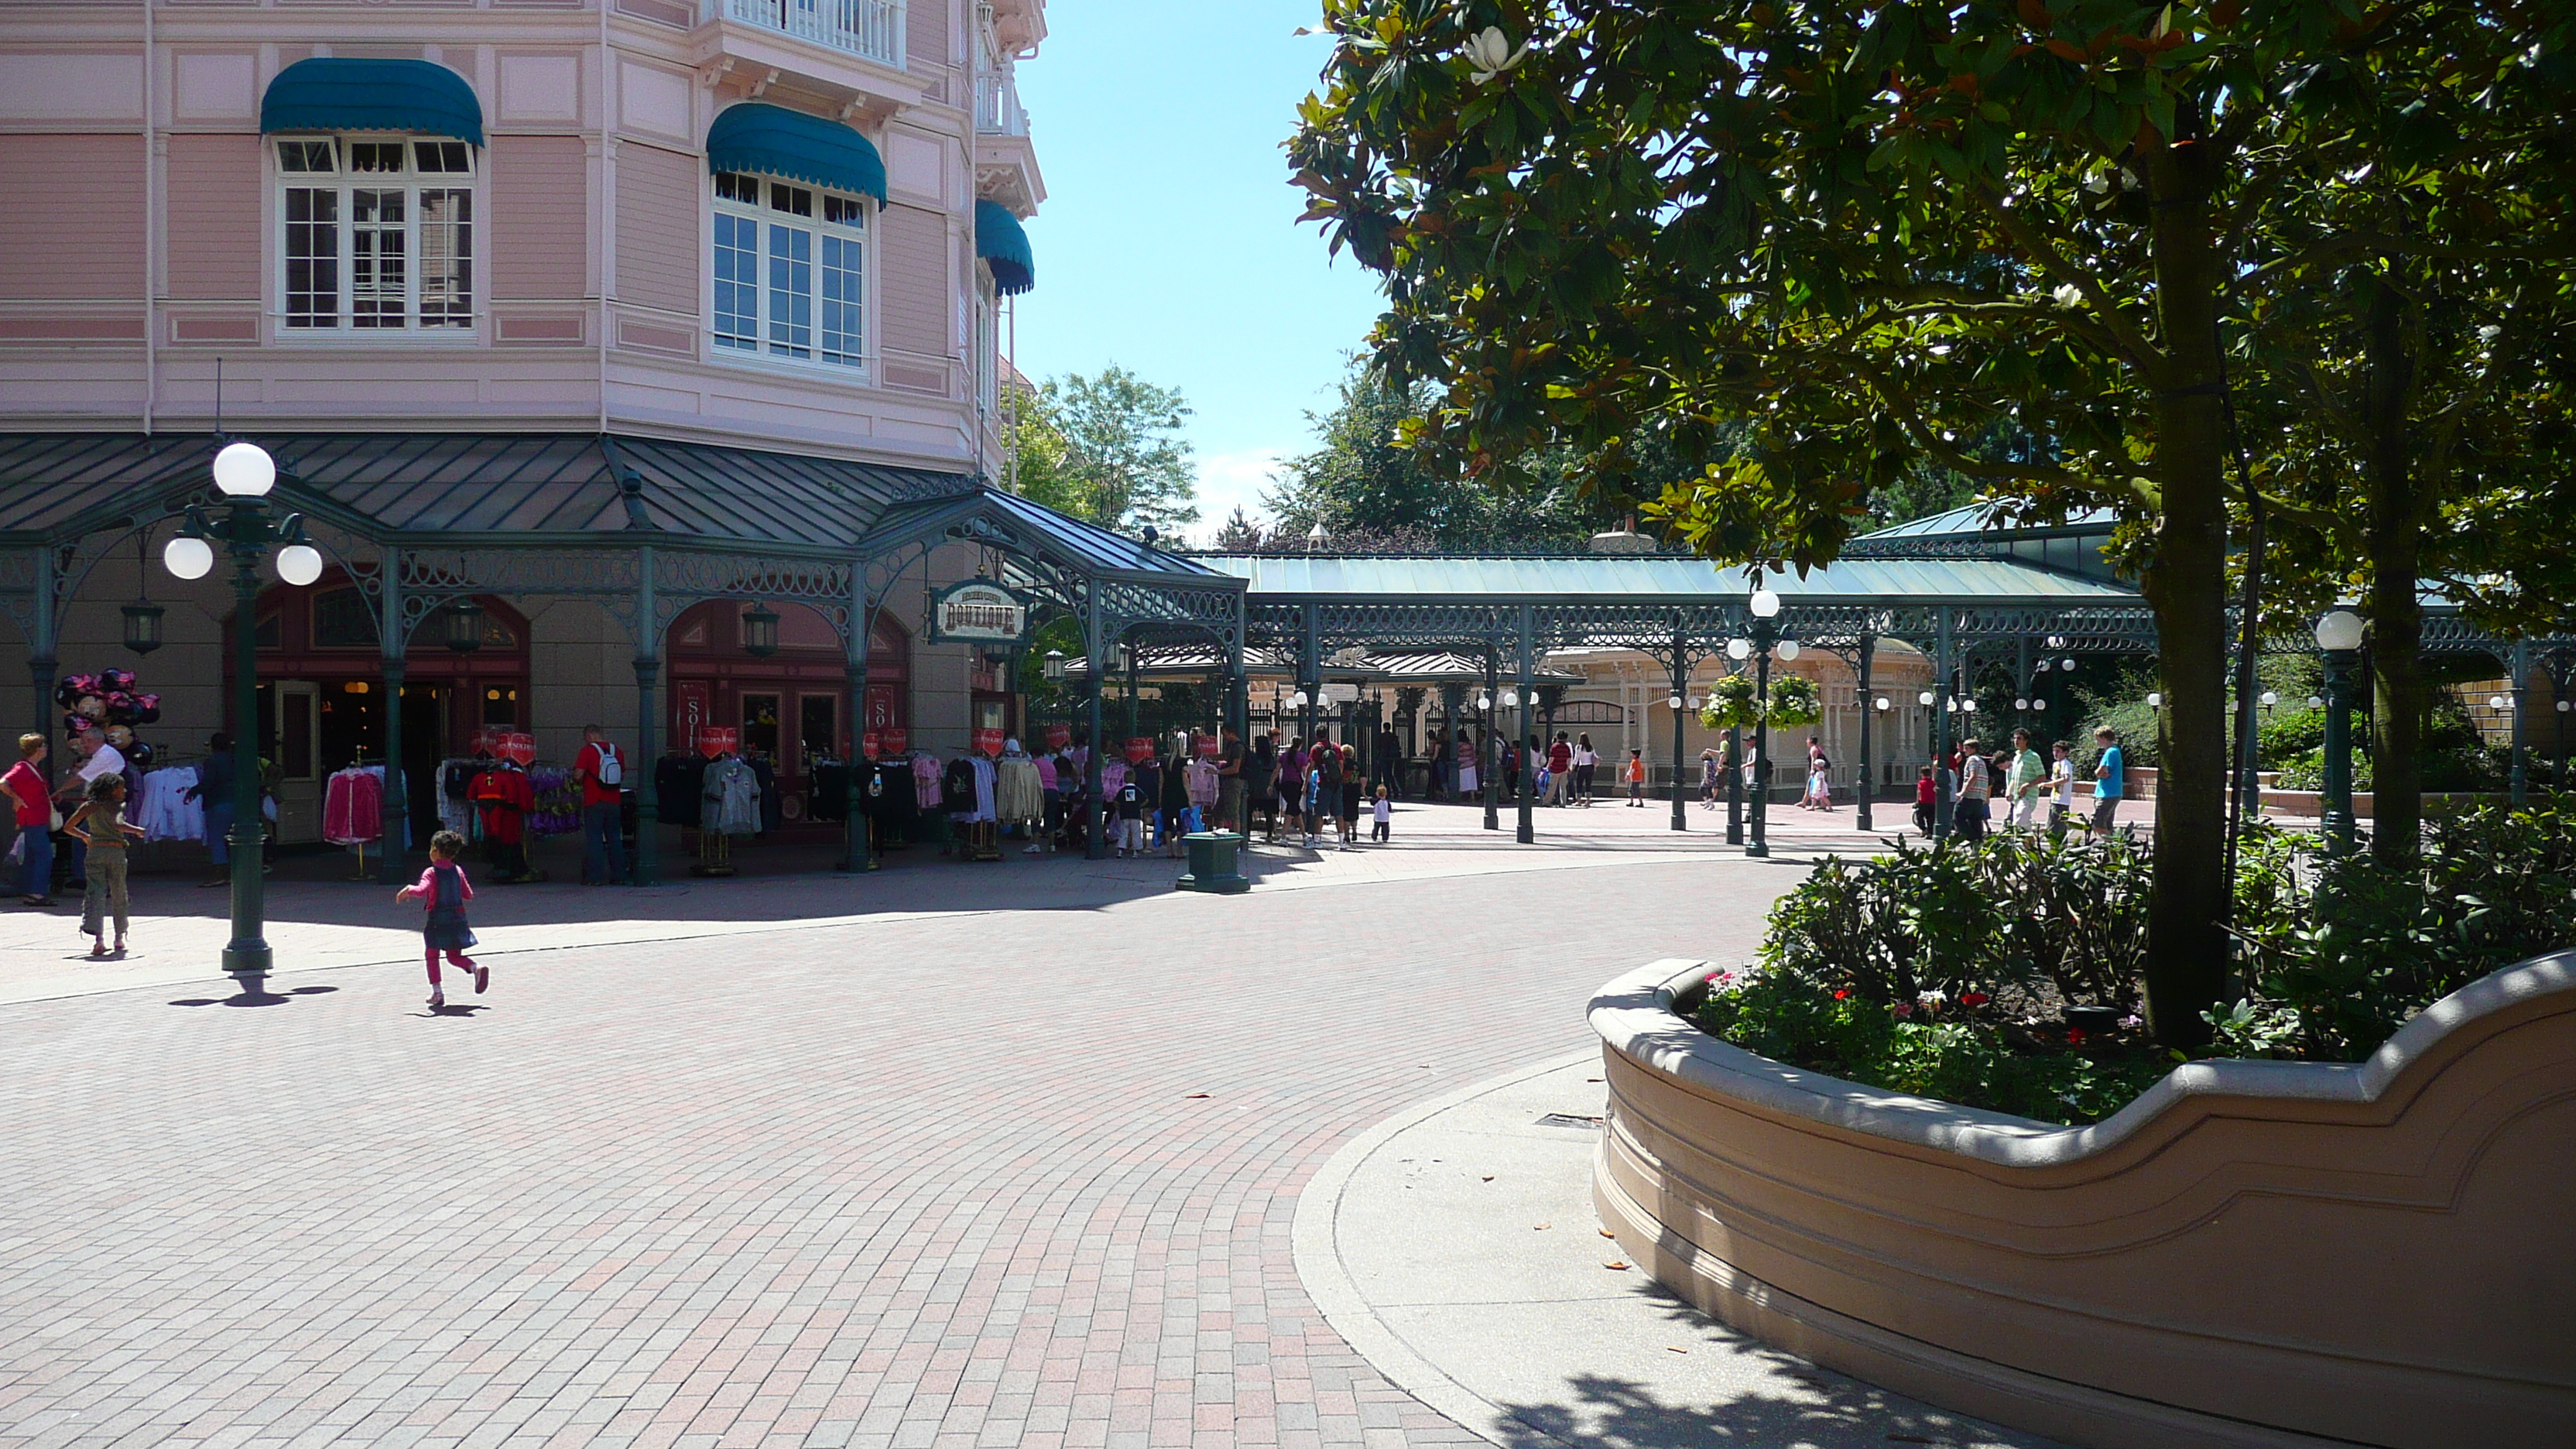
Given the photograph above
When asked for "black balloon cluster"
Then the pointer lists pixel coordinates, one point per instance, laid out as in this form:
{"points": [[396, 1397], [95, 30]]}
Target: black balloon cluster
{"points": [[107, 703]]}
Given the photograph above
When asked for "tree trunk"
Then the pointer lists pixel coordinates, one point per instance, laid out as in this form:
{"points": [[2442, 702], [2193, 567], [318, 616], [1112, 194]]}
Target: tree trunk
{"points": [[2396, 618], [2186, 586]]}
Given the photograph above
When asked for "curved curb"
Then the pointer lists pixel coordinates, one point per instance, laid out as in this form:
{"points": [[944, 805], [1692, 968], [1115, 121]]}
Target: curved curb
{"points": [[1317, 1258]]}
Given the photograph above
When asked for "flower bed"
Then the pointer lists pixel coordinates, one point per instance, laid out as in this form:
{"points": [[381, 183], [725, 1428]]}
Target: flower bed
{"points": [[2005, 975]]}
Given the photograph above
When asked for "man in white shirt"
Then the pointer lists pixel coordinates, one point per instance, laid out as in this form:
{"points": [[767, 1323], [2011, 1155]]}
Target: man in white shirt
{"points": [[98, 757]]}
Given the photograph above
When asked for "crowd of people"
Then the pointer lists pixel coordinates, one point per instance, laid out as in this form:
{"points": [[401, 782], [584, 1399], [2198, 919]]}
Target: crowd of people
{"points": [[2024, 785]]}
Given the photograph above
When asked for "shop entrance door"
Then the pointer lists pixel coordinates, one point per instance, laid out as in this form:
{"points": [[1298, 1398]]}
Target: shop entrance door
{"points": [[294, 707]]}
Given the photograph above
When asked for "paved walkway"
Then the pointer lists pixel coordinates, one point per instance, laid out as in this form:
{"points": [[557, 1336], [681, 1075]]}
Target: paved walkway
{"points": [[1456, 1247], [918, 1179]]}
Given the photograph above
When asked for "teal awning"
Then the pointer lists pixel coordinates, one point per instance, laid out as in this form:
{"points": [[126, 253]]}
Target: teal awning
{"points": [[1004, 246], [768, 140], [332, 94]]}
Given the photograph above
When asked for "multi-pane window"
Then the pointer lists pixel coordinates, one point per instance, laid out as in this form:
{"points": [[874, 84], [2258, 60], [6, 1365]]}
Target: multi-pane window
{"points": [[379, 234], [789, 279]]}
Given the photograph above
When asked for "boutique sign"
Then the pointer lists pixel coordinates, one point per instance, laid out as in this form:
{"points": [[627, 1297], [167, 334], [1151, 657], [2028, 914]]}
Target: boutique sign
{"points": [[978, 612]]}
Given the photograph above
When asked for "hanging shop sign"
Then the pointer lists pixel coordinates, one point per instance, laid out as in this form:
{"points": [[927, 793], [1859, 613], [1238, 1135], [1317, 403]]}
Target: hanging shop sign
{"points": [[714, 740], [988, 742], [978, 611], [1058, 736]]}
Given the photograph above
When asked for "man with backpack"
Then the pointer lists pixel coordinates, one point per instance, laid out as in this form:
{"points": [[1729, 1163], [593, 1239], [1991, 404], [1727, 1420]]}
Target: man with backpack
{"points": [[601, 768]]}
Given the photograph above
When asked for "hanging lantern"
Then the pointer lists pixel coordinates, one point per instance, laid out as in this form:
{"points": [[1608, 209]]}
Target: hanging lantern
{"points": [[143, 626], [460, 626], [760, 631]]}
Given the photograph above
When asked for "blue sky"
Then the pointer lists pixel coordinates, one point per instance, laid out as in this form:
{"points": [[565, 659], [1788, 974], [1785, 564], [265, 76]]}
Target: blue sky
{"points": [[1168, 243]]}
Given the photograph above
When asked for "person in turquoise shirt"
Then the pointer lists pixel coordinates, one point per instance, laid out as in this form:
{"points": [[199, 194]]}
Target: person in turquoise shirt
{"points": [[2110, 781]]}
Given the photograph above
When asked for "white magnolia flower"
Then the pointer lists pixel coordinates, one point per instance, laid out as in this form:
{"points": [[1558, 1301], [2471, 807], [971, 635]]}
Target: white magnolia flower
{"points": [[2068, 295], [1491, 54]]}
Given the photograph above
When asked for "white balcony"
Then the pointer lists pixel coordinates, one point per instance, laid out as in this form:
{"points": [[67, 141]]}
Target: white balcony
{"points": [[998, 111], [870, 28]]}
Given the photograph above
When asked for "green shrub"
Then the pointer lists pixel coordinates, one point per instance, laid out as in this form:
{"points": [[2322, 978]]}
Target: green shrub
{"points": [[1945, 969]]}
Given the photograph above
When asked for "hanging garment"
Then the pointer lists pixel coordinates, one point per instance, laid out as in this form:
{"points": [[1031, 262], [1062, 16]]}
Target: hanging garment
{"points": [[829, 797], [353, 804], [455, 812], [730, 796], [504, 797], [926, 791], [957, 788], [1019, 792], [163, 809], [676, 779], [980, 801]]}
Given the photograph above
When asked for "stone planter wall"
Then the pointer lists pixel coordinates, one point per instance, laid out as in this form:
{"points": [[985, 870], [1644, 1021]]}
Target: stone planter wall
{"points": [[2253, 1253]]}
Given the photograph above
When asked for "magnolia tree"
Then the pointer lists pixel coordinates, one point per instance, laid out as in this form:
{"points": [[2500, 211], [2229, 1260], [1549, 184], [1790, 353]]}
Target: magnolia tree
{"points": [[1995, 236]]}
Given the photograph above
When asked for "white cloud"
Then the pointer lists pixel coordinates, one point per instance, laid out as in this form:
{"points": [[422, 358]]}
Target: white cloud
{"points": [[1228, 480]]}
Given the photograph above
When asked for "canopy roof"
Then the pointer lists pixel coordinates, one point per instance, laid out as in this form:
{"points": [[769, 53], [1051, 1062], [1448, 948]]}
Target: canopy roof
{"points": [[329, 93], [1653, 578], [768, 140], [1004, 245]]}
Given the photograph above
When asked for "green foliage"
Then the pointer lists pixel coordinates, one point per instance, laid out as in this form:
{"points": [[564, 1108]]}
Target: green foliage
{"points": [[1106, 449], [1795, 703], [1730, 704], [1938, 969]]}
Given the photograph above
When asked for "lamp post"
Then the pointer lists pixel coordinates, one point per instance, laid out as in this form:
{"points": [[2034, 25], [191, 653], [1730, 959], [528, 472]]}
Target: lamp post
{"points": [[2338, 637], [244, 473], [1765, 608]]}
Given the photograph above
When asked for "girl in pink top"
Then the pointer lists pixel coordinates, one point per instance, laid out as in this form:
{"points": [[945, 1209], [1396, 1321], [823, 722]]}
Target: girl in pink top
{"points": [[444, 889]]}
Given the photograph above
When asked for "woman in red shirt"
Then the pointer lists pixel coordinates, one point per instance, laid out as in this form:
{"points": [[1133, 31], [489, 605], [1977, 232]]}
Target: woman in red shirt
{"points": [[35, 816]]}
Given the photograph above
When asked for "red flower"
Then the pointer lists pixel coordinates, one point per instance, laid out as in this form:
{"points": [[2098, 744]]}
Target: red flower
{"points": [[1973, 998], [1839, 995], [2074, 1036]]}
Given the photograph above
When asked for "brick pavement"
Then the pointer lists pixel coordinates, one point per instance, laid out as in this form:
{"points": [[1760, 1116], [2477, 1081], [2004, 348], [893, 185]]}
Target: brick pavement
{"points": [[903, 1183]]}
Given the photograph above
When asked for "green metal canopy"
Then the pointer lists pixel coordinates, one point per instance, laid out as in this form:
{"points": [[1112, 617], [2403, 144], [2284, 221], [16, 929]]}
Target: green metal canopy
{"points": [[1004, 246], [769, 140], [334, 94]]}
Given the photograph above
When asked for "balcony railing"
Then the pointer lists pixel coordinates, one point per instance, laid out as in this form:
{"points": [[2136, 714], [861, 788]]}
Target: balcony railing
{"points": [[998, 111], [872, 28]]}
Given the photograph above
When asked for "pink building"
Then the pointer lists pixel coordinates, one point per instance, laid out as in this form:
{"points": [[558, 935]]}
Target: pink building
{"points": [[723, 220]]}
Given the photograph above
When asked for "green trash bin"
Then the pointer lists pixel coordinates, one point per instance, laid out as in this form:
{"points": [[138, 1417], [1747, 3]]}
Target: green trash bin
{"points": [[1213, 857]]}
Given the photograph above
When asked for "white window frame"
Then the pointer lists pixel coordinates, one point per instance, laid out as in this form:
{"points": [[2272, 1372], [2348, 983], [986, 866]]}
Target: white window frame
{"points": [[412, 180], [827, 217]]}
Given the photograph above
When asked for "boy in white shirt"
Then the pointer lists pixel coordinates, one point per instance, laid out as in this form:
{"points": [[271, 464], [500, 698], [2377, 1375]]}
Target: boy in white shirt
{"points": [[2061, 783]]}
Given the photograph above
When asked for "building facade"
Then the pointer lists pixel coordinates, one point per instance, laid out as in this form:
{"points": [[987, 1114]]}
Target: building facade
{"points": [[493, 240]]}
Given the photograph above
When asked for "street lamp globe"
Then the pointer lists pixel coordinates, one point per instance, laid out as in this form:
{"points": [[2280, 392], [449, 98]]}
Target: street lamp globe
{"points": [[1764, 604], [244, 470], [1739, 649], [299, 564], [188, 558], [2339, 631]]}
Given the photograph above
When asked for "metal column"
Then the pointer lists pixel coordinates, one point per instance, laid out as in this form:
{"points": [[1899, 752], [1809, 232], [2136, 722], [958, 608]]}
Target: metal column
{"points": [[1681, 692], [648, 715], [1868, 767], [394, 641], [1526, 831]]}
